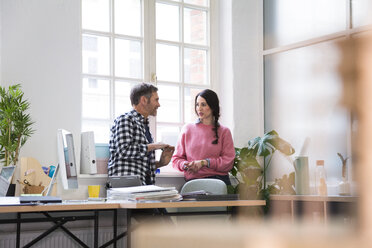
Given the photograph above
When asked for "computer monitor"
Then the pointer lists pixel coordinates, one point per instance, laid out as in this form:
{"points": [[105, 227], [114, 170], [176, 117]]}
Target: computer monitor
{"points": [[66, 159]]}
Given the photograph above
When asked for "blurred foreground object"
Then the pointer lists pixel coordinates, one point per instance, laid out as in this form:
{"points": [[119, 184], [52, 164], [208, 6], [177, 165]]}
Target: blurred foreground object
{"points": [[242, 235], [355, 69]]}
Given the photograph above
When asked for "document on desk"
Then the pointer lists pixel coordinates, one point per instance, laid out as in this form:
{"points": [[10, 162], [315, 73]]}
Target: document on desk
{"points": [[6, 201], [143, 193]]}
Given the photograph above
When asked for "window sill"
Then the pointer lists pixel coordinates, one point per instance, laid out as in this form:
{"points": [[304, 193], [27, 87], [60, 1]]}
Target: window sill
{"points": [[86, 176]]}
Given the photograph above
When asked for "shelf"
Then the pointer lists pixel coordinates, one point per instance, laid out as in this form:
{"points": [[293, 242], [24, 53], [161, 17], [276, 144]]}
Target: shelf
{"points": [[314, 198], [313, 207]]}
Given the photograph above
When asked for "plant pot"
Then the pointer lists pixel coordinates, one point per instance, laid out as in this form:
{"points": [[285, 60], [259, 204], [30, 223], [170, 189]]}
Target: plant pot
{"points": [[11, 190]]}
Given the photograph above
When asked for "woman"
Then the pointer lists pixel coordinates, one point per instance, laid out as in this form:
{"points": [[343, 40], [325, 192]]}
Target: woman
{"points": [[205, 149]]}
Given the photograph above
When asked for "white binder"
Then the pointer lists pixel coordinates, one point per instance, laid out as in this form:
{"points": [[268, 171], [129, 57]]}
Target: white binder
{"points": [[88, 163]]}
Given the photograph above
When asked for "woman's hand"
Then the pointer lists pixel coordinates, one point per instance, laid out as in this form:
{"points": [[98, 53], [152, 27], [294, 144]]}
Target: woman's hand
{"points": [[195, 166]]}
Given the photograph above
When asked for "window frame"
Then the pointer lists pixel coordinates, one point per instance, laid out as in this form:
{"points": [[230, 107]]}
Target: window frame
{"points": [[149, 41]]}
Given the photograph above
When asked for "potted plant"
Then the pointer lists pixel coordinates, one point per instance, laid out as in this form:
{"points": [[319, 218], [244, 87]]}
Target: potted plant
{"points": [[251, 176], [15, 124]]}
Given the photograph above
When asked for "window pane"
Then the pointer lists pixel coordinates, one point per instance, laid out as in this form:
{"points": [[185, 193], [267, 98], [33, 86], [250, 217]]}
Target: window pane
{"points": [[289, 21], [122, 97], [169, 98], [128, 17], [361, 12], [101, 130], [167, 134], [96, 98], [167, 63], [195, 66], [95, 15], [195, 26], [96, 58], [128, 58], [302, 95], [167, 22], [198, 2], [190, 94]]}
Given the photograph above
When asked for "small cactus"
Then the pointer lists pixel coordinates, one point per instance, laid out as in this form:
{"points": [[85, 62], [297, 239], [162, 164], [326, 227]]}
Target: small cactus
{"points": [[344, 161]]}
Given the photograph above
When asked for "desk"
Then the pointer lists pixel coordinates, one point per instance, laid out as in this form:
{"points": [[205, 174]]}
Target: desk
{"points": [[97, 207], [66, 208]]}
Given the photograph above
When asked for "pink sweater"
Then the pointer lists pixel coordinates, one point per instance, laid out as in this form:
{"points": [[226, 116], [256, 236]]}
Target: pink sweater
{"points": [[195, 143]]}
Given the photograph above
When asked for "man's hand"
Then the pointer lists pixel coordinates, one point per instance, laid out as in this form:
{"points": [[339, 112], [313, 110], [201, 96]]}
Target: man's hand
{"points": [[156, 146], [166, 156]]}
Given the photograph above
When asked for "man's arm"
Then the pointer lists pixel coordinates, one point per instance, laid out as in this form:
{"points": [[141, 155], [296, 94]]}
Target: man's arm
{"points": [[156, 146]]}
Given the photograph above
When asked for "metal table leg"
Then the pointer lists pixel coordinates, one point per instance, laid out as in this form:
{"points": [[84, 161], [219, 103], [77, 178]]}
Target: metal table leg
{"points": [[129, 213], [95, 229], [115, 226], [18, 240]]}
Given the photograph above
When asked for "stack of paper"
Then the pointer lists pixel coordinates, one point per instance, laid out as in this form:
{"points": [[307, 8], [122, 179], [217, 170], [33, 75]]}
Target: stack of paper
{"points": [[144, 193]]}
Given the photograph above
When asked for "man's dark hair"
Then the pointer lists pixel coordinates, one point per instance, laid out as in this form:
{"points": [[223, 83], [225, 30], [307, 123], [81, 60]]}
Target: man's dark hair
{"points": [[143, 89]]}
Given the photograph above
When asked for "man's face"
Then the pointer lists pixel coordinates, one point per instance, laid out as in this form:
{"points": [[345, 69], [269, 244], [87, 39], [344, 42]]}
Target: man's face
{"points": [[152, 104]]}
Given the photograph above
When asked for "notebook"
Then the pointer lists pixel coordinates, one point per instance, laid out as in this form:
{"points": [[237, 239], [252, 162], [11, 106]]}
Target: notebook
{"points": [[5, 178]]}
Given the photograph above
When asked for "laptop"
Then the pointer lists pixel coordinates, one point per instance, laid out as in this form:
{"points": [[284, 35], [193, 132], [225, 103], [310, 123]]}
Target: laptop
{"points": [[123, 181], [6, 175]]}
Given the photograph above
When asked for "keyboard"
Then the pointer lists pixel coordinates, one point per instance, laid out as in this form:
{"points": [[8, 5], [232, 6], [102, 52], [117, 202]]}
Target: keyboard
{"points": [[223, 197]]}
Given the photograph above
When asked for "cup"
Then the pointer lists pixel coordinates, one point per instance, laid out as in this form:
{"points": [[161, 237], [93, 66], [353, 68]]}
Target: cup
{"points": [[93, 191], [302, 185]]}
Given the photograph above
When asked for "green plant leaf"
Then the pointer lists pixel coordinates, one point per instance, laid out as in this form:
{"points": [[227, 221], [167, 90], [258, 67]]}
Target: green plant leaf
{"points": [[15, 123]]}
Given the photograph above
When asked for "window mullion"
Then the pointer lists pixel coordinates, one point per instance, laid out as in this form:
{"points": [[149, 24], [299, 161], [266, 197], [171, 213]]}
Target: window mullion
{"points": [[182, 61], [148, 39], [150, 48], [112, 60]]}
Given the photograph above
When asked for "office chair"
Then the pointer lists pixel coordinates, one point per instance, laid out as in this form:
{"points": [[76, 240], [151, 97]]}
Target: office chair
{"points": [[213, 186]]}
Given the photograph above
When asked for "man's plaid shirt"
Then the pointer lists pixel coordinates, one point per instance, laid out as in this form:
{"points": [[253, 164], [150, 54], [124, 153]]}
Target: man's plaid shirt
{"points": [[128, 148]]}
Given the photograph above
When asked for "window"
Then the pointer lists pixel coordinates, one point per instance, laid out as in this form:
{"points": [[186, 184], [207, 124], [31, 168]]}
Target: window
{"points": [[302, 86], [126, 42]]}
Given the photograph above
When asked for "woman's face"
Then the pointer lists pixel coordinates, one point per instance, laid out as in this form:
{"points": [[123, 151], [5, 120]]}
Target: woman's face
{"points": [[203, 109]]}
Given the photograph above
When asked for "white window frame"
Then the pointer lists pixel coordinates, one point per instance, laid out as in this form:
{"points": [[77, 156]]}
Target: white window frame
{"points": [[149, 55]]}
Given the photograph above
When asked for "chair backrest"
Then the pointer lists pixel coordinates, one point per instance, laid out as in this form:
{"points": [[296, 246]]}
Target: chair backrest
{"points": [[214, 186]]}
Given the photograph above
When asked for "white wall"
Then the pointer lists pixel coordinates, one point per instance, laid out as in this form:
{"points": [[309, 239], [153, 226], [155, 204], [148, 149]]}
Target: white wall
{"points": [[1, 14], [241, 86], [225, 64], [41, 50]]}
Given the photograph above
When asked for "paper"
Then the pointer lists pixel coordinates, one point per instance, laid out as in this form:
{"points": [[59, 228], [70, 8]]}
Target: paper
{"points": [[144, 193], [4, 201], [139, 189]]}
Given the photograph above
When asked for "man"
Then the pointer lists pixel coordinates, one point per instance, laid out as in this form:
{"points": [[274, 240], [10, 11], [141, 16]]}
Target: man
{"points": [[132, 150]]}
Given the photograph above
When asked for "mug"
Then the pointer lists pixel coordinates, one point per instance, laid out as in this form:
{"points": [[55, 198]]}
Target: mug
{"points": [[93, 191], [302, 184]]}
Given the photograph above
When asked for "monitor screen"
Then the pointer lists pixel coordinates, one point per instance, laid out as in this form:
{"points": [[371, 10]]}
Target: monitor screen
{"points": [[66, 159]]}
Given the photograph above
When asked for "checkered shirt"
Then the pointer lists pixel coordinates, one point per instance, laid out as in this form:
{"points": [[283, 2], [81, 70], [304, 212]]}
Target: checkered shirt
{"points": [[128, 148]]}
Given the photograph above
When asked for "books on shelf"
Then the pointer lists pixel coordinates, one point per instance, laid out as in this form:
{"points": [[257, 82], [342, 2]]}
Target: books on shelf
{"points": [[144, 193]]}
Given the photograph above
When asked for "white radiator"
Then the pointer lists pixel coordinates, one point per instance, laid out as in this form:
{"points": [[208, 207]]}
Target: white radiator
{"points": [[59, 239]]}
